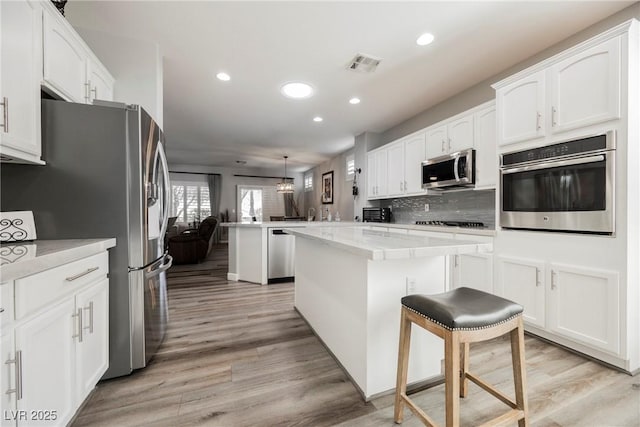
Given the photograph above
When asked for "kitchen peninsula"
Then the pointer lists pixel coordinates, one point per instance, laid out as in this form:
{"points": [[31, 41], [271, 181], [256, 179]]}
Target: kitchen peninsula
{"points": [[348, 286]]}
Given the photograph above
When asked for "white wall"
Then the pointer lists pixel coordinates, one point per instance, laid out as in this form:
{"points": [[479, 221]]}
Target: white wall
{"points": [[135, 64], [230, 183]]}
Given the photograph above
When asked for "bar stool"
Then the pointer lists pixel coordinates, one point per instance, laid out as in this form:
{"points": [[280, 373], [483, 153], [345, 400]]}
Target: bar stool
{"points": [[460, 317]]}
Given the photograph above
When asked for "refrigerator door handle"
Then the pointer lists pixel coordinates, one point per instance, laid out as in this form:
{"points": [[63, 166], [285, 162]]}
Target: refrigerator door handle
{"points": [[165, 198], [165, 263]]}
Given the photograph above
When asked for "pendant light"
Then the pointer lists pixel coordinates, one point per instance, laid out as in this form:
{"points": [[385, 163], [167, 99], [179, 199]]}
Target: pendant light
{"points": [[284, 186]]}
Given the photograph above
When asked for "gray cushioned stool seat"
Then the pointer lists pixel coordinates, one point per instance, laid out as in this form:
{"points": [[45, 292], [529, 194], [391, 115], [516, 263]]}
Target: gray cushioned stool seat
{"points": [[463, 308]]}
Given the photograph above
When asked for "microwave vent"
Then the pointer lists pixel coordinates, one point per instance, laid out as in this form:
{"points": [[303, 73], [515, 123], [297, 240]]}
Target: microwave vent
{"points": [[364, 63]]}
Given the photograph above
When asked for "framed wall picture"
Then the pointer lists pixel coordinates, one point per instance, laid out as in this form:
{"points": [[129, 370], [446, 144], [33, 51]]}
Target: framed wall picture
{"points": [[327, 188]]}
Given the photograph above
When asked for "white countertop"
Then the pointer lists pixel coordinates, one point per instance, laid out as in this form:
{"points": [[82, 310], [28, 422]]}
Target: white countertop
{"points": [[437, 228], [26, 258], [377, 244]]}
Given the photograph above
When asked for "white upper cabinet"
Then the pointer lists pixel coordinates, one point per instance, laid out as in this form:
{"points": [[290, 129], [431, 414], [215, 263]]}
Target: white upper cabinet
{"points": [[99, 82], [414, 155], [577, 88], [450, 137], [65, 66], [395, 169], [585, 89], [71, 70], [377, 174], [485, 145], [21, 35], [520, 109]]}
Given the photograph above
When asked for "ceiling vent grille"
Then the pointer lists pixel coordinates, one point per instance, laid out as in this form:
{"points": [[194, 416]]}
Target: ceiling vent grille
{"points": [[364, 63]]}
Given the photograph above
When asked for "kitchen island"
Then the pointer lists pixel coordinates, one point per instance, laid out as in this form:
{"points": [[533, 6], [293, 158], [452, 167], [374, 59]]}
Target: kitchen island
{"points": [[349, 282]]}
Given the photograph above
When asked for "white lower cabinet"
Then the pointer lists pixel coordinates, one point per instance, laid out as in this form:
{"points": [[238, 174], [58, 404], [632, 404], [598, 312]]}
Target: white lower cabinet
{"points": [[57, 348], [47, 350], [473, 271], [584, 305], [570, 301], [93, 350], [522, 281]]}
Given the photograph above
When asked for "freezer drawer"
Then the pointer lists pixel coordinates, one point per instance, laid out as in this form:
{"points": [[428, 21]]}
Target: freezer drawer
{"points": [[280, 255]]}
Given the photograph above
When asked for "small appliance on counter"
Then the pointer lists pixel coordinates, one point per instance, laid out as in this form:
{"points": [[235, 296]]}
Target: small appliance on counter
{"points": [[376, 215]]}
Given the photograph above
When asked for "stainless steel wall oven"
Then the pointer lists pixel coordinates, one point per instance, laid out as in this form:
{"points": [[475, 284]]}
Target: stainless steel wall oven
{"points": [[569, 186]]}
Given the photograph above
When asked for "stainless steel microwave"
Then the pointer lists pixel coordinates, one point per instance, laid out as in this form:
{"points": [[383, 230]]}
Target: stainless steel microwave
{"points": [[568, 186], [452, 170]]}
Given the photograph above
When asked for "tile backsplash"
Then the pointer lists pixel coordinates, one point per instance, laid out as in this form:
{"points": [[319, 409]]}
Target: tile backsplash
{"points": [[471, 205]]}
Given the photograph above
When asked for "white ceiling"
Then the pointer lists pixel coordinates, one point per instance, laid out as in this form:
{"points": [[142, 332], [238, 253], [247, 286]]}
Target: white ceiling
{"points": [[264, 44]]}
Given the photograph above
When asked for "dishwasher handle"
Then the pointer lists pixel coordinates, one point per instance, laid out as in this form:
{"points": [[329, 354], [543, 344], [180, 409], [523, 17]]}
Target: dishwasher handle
{"points": [[278, 232]]}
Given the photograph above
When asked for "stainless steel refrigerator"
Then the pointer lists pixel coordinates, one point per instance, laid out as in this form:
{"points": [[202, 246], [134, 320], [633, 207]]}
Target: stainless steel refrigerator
{"points": [[106, 175]]}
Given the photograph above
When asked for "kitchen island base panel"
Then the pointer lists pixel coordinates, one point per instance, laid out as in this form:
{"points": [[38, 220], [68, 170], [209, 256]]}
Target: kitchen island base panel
{"points": [[353, 304]]}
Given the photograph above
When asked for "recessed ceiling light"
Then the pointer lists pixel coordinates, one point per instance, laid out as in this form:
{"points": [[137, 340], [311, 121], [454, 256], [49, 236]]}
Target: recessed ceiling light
{"points": [[354, 101], [296, 90], [223, 76], [425, 39], [317, 119]]}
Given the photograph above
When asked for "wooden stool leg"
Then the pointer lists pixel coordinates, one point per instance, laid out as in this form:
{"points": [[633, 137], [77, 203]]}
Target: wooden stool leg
{"points": [[452, 378], [403, 365], [519, 371], [464, 368]]}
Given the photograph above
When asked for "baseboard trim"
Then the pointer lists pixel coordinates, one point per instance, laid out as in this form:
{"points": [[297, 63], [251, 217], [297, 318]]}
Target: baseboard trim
{"points": [[233, 277]]}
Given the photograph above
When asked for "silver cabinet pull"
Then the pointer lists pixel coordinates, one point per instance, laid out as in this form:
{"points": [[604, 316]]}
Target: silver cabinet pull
{"points": [[442, 149], [538, 117], [78, 314], [87, 91], [18, 372], [553, 116], [79, 275], [405, 186], [456, 260], [5, 107], [90, 308], [95, 92], [449, 141], [537, 277], [553, 280]]}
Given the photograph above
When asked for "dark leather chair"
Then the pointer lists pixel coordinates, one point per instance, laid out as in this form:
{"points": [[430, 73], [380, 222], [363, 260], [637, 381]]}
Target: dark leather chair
{"points": [[192, 246]]}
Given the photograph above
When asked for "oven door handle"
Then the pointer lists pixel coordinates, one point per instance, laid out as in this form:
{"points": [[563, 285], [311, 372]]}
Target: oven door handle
{"points": [[547, 165]]}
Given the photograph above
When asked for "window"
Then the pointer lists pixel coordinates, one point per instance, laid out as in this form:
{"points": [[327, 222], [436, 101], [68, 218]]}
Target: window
{"points": [[350, 165], [259, 202], [308, 182], [190, 201]]}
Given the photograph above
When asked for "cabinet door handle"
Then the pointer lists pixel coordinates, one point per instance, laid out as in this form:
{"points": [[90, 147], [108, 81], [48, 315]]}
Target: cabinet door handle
{"points": [[95, 92], [90, 308], [449, 141], [87, 91], [5, 114], [1, 310], [442, 149], [79, 275], [78, 314], [456, 260], [537, 277], [538, 117], [553, 116], [405, 186], [553, 280], [18, 373]]}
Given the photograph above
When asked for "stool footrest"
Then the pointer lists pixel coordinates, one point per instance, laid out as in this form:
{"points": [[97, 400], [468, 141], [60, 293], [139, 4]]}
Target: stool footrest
{"points": [[426, 419], [506, 419], [492, 390]]}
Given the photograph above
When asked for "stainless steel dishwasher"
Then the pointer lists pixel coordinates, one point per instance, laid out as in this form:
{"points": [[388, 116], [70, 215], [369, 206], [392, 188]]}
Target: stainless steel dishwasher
{"points": [[280, 256]]}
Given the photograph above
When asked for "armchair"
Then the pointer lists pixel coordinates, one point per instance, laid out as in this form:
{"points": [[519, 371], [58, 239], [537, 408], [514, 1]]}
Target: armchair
{"points": [[192, 246]]}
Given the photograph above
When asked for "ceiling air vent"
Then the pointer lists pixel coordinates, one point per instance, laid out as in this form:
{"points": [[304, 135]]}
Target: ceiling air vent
{"points": [[364, 63]]}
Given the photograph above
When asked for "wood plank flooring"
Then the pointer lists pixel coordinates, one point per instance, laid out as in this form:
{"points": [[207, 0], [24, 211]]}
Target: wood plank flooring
{"points": [[237, 354]]}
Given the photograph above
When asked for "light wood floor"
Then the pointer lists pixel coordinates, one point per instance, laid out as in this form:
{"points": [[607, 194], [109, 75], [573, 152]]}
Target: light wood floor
{"points": [[237, 354]]}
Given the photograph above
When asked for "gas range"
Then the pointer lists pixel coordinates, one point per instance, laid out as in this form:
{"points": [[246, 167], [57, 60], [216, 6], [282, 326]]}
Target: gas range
{"points": [[463, 224]]}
